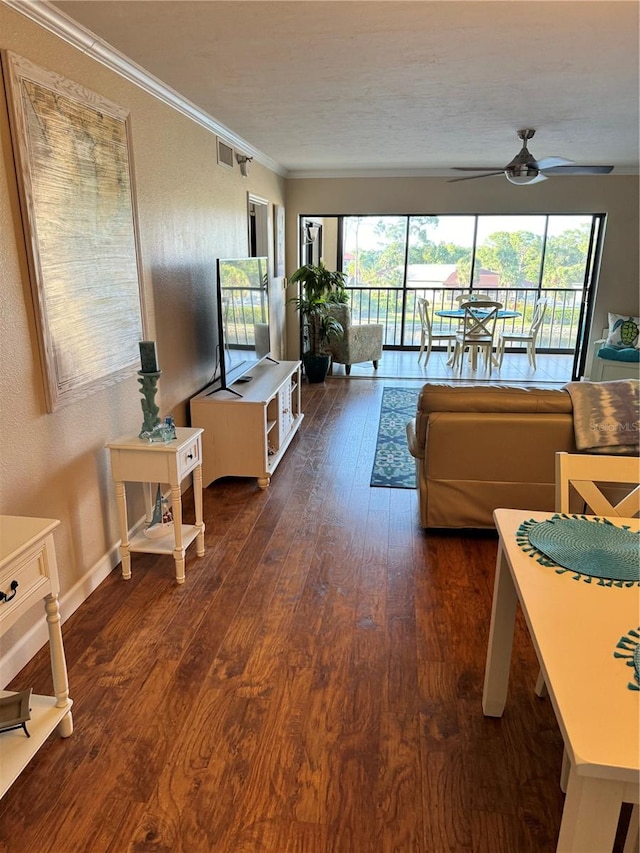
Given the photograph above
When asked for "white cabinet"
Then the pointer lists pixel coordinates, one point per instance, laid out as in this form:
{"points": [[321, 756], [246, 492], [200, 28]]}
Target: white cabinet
{"points": [[28, 572], [247, 430]]}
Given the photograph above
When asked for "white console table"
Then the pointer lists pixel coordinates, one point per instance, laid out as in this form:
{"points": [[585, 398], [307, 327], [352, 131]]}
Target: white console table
{"points": [[135, 460], [248, 429], [28, 573]]}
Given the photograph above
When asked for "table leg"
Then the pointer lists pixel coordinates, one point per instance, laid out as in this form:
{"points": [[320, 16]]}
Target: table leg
{"points": [[632, 842], [541, 686], [197, 499], [125, 557], [590, 815], [565, 770], [58, 663], [150, 500], [503, 616], [178, 551]]}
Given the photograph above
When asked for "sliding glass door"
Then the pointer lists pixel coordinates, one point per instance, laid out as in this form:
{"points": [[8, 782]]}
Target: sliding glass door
{"points": [[390, 260]]}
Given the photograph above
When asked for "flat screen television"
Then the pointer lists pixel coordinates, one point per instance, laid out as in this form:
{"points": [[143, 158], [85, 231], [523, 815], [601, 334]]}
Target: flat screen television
{"points": [[243, 317]]}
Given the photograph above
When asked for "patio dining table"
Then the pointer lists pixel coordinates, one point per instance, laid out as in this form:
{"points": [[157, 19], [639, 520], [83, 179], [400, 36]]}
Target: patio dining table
{"points": [[458, 314]]}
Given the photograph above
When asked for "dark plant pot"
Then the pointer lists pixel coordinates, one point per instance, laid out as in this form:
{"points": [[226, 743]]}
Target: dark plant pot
{"points": [[316, 367]]}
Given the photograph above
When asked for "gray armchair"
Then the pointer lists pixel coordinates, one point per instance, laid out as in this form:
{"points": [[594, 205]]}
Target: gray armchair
{"points": [[361, 342]]}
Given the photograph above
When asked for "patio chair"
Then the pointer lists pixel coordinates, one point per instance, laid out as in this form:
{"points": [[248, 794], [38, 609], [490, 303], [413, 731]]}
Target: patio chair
{"points": [[476, 333], [528, 338], [427, 333]]}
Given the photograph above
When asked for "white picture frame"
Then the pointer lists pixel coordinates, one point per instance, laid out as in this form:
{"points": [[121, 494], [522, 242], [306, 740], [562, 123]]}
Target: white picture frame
{"points": [[71, 149]]}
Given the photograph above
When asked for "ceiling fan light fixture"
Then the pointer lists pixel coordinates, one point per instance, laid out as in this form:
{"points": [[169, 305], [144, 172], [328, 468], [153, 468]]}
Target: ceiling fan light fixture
{"points": [[521, 175]]}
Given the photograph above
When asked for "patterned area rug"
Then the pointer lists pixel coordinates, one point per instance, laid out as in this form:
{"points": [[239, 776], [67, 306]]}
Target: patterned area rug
{"points": [[393, 465]]}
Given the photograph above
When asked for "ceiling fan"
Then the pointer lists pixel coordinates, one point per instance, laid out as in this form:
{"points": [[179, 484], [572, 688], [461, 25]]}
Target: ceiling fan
{"points": [[525, 169]]}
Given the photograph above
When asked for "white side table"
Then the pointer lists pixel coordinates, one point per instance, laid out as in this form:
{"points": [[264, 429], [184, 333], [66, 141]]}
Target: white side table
{"points": [[28, 572], [135, 460]]}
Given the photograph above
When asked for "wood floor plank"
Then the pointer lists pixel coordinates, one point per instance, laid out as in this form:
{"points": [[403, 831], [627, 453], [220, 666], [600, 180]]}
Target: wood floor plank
{"points": [[399, 792]]}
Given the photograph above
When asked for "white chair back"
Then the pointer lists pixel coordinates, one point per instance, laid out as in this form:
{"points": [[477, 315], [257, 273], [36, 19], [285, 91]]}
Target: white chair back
{"points": [[538, 317], [480, 318], [427, 335], [587, 475], [424, 313]]}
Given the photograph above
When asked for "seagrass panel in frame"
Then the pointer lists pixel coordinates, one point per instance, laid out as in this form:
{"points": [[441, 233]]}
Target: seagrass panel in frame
{"points": [[71, 149]]}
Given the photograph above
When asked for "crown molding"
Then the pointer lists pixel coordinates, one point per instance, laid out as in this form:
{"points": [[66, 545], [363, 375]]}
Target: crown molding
{"points": [[42, 13], [381, 172]]}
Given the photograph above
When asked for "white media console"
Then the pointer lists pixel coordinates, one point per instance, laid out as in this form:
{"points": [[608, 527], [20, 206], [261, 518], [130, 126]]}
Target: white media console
{"points": [[248, 429]]}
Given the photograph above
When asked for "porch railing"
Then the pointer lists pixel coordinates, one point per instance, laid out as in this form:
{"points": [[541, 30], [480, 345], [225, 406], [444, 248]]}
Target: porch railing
{"points": [[397, 310]]}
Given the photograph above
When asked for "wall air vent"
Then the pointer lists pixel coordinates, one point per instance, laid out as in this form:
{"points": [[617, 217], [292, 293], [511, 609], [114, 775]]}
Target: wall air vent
{"points": [[225, 154]]}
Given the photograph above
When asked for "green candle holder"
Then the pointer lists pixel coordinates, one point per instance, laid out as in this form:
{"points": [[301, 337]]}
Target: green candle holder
{"points": [[148, 389]]}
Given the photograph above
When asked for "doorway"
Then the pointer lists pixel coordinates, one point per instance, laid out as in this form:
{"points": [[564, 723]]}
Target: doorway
{"points": [[258, 222]]}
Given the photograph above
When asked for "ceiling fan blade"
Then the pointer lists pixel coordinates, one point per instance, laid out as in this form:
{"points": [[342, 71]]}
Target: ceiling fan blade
{"points": [[473, 177], [550, 162], [475, 168], [576, 169]]}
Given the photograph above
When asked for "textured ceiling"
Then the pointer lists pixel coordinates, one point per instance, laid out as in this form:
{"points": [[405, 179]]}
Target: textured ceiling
{"points": [[341, 87]]}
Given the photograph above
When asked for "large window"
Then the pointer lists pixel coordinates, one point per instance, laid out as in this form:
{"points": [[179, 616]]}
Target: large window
{"points": [[389, 260]]}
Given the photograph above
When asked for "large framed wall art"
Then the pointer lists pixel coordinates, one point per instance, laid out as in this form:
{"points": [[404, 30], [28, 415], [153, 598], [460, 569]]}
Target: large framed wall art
{"points": [[71, 148]]}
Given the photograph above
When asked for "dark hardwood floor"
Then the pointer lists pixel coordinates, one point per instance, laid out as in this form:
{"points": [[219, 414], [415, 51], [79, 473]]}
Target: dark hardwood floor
{"points": [[314, 686]]}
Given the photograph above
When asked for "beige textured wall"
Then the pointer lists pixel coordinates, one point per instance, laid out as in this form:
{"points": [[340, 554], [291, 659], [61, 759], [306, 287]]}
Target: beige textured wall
{"points": [[190, 212], [615, 195]]}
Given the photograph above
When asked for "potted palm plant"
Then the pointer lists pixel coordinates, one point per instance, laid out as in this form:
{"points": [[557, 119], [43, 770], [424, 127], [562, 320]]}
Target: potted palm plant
{"points": [[320, 289]]}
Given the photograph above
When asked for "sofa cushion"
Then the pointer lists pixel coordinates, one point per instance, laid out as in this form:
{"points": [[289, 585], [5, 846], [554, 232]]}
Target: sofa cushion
{"points": [[443, 397], [500, 447], [510, 399]]}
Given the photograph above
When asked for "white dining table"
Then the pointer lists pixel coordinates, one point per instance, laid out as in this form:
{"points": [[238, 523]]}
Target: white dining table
{"points": [[575, 628]]}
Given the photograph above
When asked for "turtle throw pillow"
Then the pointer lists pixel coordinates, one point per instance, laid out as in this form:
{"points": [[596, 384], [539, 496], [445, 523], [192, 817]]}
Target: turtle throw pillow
{"points": [[624, 331]]}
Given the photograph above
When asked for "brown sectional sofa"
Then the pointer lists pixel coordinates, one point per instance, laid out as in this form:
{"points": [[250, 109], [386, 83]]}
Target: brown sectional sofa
{"points": [[479, 447]]}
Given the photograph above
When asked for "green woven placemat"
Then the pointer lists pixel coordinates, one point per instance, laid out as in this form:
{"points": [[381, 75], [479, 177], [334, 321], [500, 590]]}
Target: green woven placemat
{"points": [[630, 646], [591, 548]]}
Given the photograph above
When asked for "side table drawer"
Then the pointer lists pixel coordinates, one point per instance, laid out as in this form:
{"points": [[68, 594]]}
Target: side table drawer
{"points": [[25, 581], [189, 457]]}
